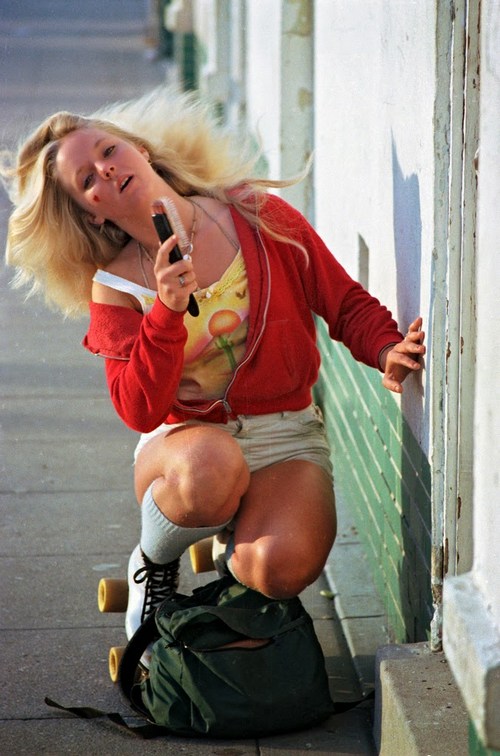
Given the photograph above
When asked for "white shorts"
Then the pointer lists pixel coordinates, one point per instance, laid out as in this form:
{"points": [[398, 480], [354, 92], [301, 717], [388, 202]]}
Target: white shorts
{"points": [[267, 439]]}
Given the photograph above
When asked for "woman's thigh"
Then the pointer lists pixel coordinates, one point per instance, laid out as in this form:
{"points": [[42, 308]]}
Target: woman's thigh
{"points": [[285, 527]]}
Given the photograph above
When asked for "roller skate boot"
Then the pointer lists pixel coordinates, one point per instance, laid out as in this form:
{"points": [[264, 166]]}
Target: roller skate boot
{"points": [[149, 585]]}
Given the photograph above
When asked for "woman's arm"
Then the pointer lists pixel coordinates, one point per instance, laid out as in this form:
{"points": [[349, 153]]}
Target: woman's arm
{"points": [[354, 316]]}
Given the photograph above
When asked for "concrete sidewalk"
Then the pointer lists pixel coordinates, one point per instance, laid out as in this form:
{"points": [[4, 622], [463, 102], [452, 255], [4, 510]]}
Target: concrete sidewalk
{"points": [[68, 515]]}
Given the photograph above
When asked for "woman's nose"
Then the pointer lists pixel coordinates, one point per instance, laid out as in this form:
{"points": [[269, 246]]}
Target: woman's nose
{"points": [[106, 170]]}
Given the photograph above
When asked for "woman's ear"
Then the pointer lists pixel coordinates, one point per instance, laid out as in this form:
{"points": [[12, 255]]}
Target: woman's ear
{"points": [[144, 153]]}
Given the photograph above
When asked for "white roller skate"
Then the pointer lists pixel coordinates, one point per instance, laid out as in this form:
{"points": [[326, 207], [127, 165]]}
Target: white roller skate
{"points": [[149, 584]]}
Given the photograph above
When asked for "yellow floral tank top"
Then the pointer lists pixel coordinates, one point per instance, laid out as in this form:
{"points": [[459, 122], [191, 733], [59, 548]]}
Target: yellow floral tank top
{"points": [[217, 337]]}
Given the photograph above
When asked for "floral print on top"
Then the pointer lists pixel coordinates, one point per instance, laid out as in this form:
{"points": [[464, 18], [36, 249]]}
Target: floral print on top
{"points": [[216, 338]]}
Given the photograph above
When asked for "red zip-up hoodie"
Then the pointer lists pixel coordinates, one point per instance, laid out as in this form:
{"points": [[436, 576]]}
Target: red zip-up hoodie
{"points": [[144, 353]]}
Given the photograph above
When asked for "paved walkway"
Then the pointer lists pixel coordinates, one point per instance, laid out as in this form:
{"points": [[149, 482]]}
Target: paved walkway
{"points": [[66, 506]]}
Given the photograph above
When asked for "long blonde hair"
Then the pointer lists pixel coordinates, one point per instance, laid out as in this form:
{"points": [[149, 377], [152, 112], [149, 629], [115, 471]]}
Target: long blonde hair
{"points": [[50, 243]]}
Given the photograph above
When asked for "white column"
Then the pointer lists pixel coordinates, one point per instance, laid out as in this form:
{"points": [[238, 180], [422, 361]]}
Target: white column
{"points": [[471, 632], [297, 99]]}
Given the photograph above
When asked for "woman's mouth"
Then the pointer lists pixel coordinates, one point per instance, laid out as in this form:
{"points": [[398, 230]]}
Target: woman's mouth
{"points": [[125, 183]]}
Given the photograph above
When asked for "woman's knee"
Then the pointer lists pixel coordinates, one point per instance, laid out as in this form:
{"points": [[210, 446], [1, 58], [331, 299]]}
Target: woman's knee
{"points": [[278, 569], [200, 476]]}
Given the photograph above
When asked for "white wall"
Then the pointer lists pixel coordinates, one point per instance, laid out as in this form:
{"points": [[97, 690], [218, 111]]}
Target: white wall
{"points": [[374, 151], [263, 22]]}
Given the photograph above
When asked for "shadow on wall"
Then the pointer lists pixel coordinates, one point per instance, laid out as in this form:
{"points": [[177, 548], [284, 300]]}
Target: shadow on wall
{"points": [[415, 504], [407, 226], [407, 240]]}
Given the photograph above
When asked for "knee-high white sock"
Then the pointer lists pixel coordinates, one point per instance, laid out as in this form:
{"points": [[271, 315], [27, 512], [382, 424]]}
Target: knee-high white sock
{"points": [[162, 541]]}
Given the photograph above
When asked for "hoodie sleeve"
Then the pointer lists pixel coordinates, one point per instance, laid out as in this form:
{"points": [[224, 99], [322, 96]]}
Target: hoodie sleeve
{"points": [[144, 359], [354, 317]]}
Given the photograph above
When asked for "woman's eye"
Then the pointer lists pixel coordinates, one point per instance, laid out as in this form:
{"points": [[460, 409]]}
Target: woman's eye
{"points": [[109, 150], [87, 183]]}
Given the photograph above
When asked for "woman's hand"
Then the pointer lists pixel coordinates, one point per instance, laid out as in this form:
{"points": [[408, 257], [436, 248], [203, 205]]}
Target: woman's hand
{"points": [[175, 281], [403, 358]]}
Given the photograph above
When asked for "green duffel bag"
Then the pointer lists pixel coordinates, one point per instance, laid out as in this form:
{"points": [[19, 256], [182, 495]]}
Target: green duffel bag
{"points": [[228, 662]]}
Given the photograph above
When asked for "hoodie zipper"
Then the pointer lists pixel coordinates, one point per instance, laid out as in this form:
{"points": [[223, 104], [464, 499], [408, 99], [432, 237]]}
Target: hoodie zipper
{"points": [[224, 400]]}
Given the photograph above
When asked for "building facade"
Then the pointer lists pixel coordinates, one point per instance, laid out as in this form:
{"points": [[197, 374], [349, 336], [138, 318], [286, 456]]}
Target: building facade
{"points": [[399, 105]]}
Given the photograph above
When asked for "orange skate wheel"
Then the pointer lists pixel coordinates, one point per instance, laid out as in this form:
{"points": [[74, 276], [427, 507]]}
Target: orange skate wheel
{"points": [[112, 595], [115, 657], [201, 556]]}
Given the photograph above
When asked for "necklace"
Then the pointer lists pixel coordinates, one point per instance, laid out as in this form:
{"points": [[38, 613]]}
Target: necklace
{"points": [[146, 254], [140, 250], [187, 248], [219, 225]]}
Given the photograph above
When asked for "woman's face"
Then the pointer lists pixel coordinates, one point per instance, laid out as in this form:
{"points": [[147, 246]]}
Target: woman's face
{"points": [[108, 177]]}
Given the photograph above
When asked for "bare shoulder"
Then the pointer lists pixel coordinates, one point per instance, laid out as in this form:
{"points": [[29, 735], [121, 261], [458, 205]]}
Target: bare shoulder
{"points": [[103, 294]]}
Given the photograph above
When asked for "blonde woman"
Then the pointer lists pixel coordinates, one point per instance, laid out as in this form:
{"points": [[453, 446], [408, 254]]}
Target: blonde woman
{"points": [[230, 442]]}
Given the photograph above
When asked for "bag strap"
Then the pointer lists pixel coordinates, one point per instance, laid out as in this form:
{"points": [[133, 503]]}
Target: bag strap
{"points": [[145, 731], [144, 635], [127, 671], [151, 730]]}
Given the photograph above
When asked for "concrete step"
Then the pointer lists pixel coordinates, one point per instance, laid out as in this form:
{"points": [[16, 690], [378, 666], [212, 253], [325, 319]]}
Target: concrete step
{"points": [[418, 707]]}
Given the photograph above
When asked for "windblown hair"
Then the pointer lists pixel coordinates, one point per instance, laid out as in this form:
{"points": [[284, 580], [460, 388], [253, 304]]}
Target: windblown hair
{"points": [[51, 244]]}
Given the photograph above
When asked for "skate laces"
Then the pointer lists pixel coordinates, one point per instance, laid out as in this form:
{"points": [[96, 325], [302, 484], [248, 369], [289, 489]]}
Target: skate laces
{"points": [[160, 580]]}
